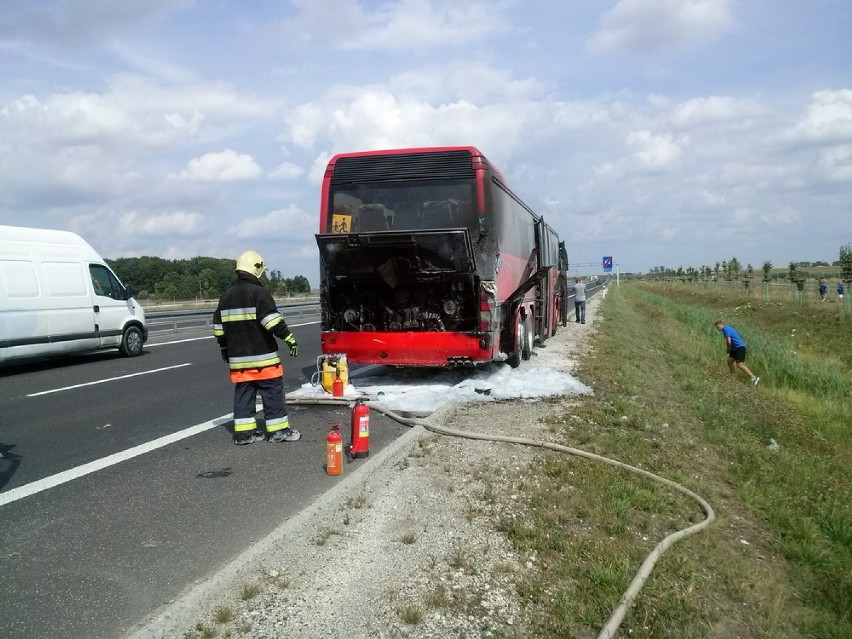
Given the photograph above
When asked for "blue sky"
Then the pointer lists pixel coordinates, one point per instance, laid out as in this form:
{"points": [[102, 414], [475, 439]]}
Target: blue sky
{"points": [[661, 132]]}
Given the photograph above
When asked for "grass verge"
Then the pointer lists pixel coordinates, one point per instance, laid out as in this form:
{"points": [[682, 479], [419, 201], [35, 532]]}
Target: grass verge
{"points": [[778, 561]]}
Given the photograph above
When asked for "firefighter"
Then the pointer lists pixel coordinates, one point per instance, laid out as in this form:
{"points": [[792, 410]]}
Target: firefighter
{"points": [[244, 324]]}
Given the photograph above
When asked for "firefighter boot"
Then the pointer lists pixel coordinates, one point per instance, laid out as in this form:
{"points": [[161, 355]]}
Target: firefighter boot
{"points": [[284, 435], [247, 437]]}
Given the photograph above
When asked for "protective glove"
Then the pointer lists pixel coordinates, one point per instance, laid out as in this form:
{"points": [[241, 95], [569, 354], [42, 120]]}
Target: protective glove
{"points": [[223, 351], [290, 340]]}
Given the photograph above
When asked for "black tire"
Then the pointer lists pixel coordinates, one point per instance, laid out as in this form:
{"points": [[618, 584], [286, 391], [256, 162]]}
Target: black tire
{"points": [[131, 342], [514, 360]]}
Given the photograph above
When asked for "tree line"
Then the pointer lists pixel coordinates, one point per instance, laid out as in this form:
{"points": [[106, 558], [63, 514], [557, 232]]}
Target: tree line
{"points": [[194, 278], [733, 270]]}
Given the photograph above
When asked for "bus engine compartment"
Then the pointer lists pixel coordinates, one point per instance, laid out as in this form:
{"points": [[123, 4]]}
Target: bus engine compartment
{"points": [[399, 281]]}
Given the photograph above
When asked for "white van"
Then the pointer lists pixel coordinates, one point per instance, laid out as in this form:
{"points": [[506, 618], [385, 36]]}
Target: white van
{"points": [[58, 296]]}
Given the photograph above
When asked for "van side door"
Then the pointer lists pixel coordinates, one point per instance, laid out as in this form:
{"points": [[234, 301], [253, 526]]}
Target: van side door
{"points": [[111, 303]]}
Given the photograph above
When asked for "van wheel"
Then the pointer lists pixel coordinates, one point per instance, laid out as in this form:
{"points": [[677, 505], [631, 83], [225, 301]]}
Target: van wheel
{"points": [[131, 342]]}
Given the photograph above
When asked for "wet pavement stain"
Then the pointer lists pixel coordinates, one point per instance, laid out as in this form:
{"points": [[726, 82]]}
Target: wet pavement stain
{"points": [[214, 474]]}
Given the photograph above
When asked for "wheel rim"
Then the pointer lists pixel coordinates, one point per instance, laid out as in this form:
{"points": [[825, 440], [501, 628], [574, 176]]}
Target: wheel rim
{"points": [[134, 341], [527, 344], [519, 334]]}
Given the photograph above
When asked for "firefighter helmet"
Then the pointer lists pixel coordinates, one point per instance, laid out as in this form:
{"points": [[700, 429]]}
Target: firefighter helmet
{"points": [[251, 262]]}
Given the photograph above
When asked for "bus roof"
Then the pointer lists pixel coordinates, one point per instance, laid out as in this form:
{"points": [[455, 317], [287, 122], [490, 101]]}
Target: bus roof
{"points": [[474, 152], [426, 149]]}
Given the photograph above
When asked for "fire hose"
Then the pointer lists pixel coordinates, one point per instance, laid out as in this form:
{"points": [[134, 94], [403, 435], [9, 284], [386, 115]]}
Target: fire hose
{"points": [[609, 629]]}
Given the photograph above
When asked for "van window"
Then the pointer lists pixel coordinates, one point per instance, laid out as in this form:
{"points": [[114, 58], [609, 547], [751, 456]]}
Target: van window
{"points": [[105, 283]]}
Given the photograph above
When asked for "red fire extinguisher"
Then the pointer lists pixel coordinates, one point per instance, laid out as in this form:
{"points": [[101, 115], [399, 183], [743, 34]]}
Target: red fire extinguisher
{"points": [[337, 384], [334, 451], [359, 444]]}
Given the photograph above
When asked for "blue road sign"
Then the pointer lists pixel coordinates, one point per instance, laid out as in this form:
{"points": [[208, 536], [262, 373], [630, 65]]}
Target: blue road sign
{"points": [[607, 263]]}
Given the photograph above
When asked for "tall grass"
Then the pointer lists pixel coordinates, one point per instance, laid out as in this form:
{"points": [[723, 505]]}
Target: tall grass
{"points": [[778, 562]]}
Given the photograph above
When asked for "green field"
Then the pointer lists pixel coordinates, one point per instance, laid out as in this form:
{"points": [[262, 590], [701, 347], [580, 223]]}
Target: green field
{"points": [[775, 461]]}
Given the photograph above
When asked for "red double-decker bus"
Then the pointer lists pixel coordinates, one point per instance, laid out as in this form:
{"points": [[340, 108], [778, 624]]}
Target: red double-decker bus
{"points": [[429, 259]]}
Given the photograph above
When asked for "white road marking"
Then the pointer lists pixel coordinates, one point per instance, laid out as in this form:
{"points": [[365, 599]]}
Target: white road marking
{"points": [[99, 464], [195, 339], [179, 341], [108, 379]]}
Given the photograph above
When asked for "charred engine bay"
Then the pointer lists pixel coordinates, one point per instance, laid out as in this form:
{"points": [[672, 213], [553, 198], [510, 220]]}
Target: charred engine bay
{"points": [[399, 281]]}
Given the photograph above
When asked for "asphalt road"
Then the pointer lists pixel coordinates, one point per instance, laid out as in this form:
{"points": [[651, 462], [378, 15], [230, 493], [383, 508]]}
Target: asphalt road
{"points": [[91, 556]]}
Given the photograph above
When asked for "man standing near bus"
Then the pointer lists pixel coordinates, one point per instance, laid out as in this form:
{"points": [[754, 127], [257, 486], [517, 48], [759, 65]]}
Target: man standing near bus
{"points": [[245, 324], [579, 301]]}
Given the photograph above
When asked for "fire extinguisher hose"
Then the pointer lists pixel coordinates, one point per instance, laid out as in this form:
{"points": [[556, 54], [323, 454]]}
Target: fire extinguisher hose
{"points": [[611, 627]]}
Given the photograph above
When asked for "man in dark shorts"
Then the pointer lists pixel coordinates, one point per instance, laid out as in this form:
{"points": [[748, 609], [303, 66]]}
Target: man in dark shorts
{"points": [[736, 348]]}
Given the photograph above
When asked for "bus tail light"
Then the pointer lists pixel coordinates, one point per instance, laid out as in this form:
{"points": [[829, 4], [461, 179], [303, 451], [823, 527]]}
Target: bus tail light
{"points": [[486, 307]]}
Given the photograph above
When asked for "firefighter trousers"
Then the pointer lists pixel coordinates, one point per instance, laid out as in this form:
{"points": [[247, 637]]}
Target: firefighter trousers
{"points": [[274, 409]]}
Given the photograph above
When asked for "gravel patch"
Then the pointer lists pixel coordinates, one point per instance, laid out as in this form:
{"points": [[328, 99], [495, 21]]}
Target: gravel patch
{"points": [[406, 547]]}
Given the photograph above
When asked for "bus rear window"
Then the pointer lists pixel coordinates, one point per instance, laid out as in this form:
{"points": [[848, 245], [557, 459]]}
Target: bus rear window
{"points": [[401, 206]]}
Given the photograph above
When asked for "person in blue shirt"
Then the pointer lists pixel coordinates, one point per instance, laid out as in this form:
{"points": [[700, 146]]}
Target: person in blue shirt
{"points": [[823, 289], [736, 349], [840, 291]]}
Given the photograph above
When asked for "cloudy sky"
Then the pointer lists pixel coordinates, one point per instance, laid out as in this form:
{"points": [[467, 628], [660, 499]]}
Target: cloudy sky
{"points": [[661, 132]]}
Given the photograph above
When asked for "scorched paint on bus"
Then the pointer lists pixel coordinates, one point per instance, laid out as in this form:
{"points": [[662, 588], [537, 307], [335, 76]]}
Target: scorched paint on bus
{"points": [[429, 259]]}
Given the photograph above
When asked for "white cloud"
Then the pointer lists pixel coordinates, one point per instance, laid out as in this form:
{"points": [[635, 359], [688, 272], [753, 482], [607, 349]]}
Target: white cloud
{"points": [[377, 118], [656, 151], [627, 158], [651, 27], [289, 223], [222, 166], [286, 171], [133, 111], [397, 25], [836, 163], [714, 109], [181, 223], [782, 216], [470, 80], [828, 119]]}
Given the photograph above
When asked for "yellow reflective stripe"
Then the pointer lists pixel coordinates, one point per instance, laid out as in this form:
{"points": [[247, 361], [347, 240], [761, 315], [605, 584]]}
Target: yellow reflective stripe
{"points": [[253, 357], [239, 318], [273, 425], [246, 310], [218, 331], [256, 363], [271, 320], [244, 424]]}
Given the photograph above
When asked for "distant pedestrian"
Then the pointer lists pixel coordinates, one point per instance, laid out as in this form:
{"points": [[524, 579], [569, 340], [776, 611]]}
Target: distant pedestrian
{"points": [[840, 291], [245, 324], [579, 301], [736, 349], [823, 290]]}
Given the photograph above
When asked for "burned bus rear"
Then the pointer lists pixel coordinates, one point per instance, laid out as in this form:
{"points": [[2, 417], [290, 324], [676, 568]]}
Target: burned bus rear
{"points": [[412, 270]]}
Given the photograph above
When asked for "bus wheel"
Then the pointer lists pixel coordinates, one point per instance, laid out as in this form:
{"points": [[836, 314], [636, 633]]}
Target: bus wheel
{"points": [[526, 350], [514, 359], [131, 342]]}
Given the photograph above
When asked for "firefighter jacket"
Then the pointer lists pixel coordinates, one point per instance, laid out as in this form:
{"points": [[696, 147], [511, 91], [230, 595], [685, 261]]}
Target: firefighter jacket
{"points": [[244, 324]]}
